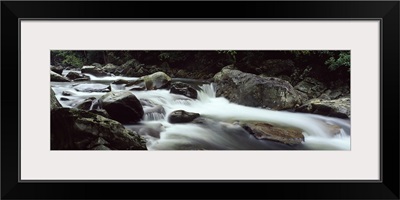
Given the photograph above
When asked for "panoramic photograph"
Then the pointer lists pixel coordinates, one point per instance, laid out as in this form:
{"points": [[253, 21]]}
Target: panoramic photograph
{"points": [[200, 100]]}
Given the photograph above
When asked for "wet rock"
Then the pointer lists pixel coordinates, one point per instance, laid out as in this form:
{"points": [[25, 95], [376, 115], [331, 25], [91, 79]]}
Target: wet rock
{"points": [[183, 89], [86, 104], [120, 82], [101, 112], [64, 99], [66, 93], [264, 131], [57, 69], [57, 77], [153, 81], [53, 100], [181, 116], [334, 108], [74, 129], [256, 91], [122, 106], [77, 76], [95, 71]]}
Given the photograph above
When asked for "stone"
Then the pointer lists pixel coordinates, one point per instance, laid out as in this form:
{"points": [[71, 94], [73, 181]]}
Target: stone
{"points": [[57, 77], [74, 129], [181, 116], [53, 100], [122, 106], [339, 108], [256, 91], [95, 71], [183, 89], [265, 131]]}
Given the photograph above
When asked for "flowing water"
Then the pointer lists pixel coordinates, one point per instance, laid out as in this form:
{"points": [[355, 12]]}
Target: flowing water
{"points": [[218, 131]]}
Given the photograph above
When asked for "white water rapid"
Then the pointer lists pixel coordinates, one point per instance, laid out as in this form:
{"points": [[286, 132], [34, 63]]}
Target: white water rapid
{"points": [[218, 133]]}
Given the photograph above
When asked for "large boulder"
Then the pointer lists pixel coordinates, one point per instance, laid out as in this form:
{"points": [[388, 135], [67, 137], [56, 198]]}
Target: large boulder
{"points": [[181, 116], [74, 129], [265, 131], [310, 87], [183, 89], [75, 76], [122, 106], [57, 69], [57, 77], [53, 100], [111, 68], [95, 71], [334, 108], [131, 68], [153, 81], [256, 91]]}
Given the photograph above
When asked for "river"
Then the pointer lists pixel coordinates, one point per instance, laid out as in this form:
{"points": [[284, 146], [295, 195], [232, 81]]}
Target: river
{"points": [[216, 134]]}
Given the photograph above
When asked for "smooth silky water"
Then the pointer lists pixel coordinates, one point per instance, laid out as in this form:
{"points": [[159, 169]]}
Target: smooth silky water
{"points": [[218, 133]]}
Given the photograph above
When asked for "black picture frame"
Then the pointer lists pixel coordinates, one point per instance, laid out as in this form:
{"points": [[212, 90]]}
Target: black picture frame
{"points": [[386, 11]]}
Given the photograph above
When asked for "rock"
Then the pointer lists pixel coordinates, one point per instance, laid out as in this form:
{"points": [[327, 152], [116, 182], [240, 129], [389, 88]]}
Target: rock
{"points": [[311, 87], [57, 77], [256, 91], [66, 93], [153, 81], [97, 65], [101, 112], [86, 78], [86, 104], [77, 76], [74, 129], [110, 68], [57, 69], [100, 147], [183, 89], [95, 71], [92, 87], [334, 108], [122, 106], [97, 142], [264, 131], [120, 82], [181, 116], [64, 99], [53, 100], [131, 68]]}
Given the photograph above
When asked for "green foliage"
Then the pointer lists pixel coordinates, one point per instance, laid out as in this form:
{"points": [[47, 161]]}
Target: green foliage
{"points": [[68, 58], [342, 60]]}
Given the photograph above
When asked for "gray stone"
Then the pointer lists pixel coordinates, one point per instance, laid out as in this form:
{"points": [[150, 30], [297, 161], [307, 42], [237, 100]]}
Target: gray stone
{"points": [[74, 129], [122, 106], [57, 77], [256, 91]]}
